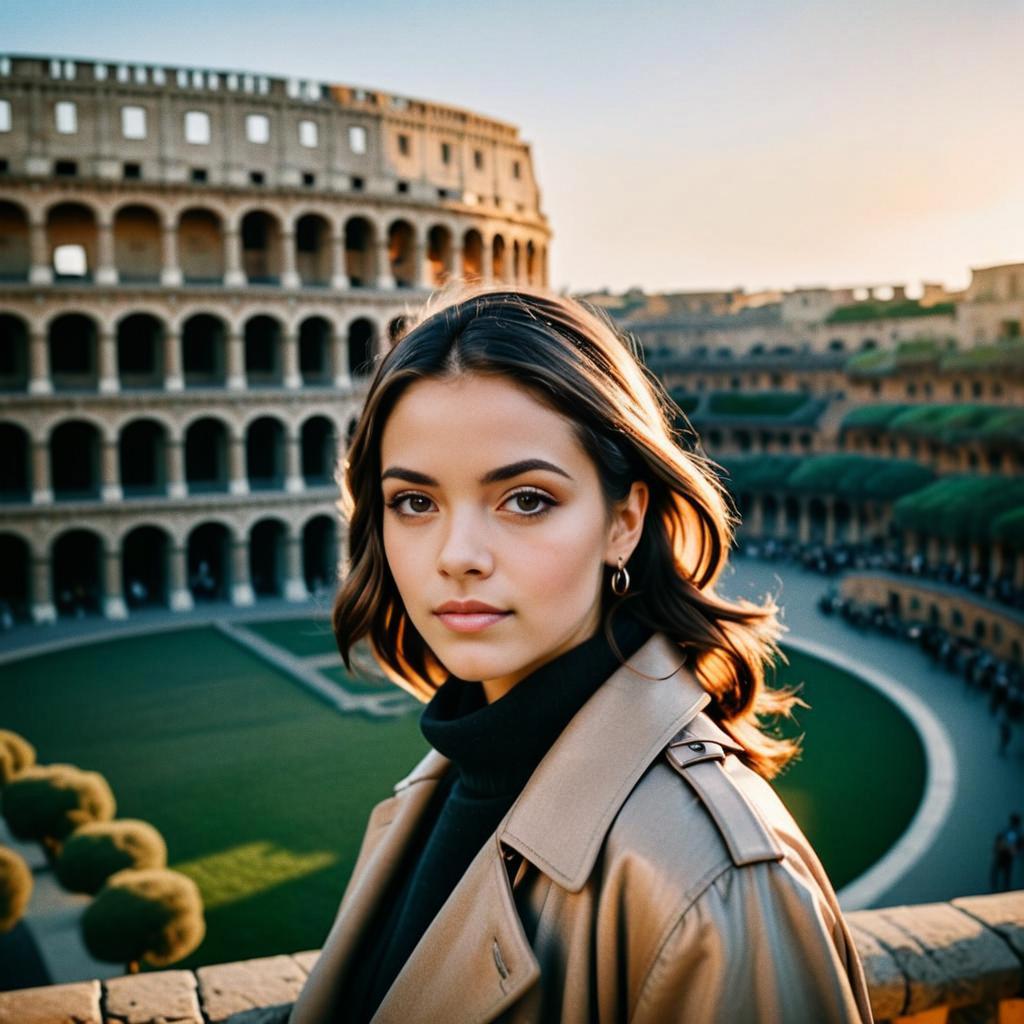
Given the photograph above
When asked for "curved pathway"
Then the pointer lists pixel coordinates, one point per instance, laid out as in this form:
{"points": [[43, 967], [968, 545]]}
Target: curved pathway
{"points": [[983, 788]]}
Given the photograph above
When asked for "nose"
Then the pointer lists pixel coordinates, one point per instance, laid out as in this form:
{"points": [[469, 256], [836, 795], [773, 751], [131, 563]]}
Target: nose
{"points": [[465, 546]]}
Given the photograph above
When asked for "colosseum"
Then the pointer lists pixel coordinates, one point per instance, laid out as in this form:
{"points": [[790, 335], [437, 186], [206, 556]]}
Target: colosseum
{"points": [[198, 269]]}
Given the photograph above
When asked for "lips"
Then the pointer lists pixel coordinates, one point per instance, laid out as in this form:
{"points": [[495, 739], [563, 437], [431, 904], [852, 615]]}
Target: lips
{"points": [[467, 608], [469, 616]]}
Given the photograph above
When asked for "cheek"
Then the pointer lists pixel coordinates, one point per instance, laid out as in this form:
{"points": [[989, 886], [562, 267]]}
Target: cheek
{"points": [[558, 562]]}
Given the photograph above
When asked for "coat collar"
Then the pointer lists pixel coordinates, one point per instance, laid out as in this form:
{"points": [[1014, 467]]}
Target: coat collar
{"points": [[560, 819], [558, 823]]}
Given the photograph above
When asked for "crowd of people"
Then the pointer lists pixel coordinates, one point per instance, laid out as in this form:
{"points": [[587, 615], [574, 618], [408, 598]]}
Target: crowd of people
{"points": [[830, 559]]}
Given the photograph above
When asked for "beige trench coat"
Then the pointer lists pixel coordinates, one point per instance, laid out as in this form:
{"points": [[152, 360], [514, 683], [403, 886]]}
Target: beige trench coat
{"points": [[644, 874]]}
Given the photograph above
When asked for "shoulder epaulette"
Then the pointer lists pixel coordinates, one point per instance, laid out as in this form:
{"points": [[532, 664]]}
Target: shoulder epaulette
{"points": [[696, 752]]}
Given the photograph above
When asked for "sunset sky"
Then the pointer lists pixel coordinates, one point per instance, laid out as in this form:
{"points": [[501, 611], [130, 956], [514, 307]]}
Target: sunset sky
{"points": [[677, 145]]}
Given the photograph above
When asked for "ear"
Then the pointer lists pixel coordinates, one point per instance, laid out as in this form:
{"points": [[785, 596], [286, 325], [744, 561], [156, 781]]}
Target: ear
{"points": [[627, 524]]}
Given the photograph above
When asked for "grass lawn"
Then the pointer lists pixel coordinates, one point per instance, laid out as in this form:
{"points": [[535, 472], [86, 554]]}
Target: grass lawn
{"points": [[262, 791], [301, 637]]}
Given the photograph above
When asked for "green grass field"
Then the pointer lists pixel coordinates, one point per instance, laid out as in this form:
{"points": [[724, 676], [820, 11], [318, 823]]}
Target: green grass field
{"points": [[261, 790]]}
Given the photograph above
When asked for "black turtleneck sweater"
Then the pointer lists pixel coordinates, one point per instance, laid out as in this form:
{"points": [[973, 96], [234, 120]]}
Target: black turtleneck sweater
{"points": [[494, 749]]}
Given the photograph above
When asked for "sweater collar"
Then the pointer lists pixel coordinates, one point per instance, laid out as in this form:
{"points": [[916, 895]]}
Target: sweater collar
{"points": [[495, 747]]}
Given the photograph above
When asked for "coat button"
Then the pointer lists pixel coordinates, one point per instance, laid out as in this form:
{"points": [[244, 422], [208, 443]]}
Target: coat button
{"points": [[698, 747]]}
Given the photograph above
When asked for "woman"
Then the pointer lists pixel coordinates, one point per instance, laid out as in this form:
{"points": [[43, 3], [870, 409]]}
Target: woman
{"points": [[592, 837]]}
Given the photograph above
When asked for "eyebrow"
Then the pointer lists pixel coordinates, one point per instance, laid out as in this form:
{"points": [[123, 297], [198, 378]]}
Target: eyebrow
{"points": [[493, 476]]}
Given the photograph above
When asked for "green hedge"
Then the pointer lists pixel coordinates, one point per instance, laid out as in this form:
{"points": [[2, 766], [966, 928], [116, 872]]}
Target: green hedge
{"points": [[761, 403], [962, 508], [950, 423], [877, 310]]}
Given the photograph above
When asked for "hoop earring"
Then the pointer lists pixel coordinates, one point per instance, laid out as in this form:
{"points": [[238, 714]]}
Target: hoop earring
{"points": [[620, 579]]}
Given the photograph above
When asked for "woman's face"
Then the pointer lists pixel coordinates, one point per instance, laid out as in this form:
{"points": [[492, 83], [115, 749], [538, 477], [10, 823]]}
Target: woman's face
{"points": [[464, 522]]}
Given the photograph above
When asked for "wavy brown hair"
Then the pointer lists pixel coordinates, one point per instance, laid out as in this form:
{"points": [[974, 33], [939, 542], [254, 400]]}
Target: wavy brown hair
{"points": [[572, 358]]}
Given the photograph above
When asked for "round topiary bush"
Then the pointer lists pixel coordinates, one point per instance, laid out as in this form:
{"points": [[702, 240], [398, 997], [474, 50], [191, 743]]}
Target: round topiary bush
{"points": [[98, 849], [153, 914], [46, 803], [16, 884], [16, 754]]}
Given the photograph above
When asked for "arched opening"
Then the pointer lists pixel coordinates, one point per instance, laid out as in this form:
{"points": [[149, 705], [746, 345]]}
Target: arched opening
{"points": [[141, 449], [402, 253], [439, 254], [261, 248], [320, 554], [140, 352], [531, 263], [267, 555], [318, 451], [201, 247], [14, 243], [817, 515], [264, 454], [472, 255], [315, 338], [769, 515], [75, 461], [263, 361], [144, 555], [792, 512], [203, 344], [15, 580], [209, 563], [313, 251], [359, 252], [76, 559], [138, 241], [13, 353], [498, 268], [516, 261], [361, 347], [72, 237], [15, 448], [206, 456], [73, 355]]}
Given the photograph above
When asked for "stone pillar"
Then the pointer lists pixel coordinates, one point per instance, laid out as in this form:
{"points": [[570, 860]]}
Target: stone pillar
{"points": [[295, 584], [486, 262], [176, 487], [830, 522], [106, 270], [997, 561], [42, 488], [290, 351], [113, 599], [853, 525], [289, 275], [293, 480], [755, 522], [234, 276], [181, 596], [111, 486], [974, 556], [236, 361], [424, 275], [109, 383], [39, 365], [385, 279], [241, 586], [457, 261], [934, 553], [40, 271], [339, 277], [173, 377], [339, 349], [1018, 569], [238, 482], [804, 528], [170, 272], [43, 609], [781, 519]]}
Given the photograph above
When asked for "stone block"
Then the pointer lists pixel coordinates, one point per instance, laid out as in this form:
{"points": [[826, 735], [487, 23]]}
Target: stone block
{"points": [[78, 1003], [307, 960], [887, 985], [159, 997], [225, 989], [1003, 912]]}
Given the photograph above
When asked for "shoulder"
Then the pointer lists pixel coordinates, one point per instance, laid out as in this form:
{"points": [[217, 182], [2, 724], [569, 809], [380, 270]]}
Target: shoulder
{"points": [[699, 813]]}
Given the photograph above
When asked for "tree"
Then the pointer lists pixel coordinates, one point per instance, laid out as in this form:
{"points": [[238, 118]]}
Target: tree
{"points": [[16, 884], [16, 754], [46, 803], [152, 914], [98, 849]]}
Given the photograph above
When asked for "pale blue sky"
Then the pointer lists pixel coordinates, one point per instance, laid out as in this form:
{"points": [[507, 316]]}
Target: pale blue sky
{"points": [[678, 145]]}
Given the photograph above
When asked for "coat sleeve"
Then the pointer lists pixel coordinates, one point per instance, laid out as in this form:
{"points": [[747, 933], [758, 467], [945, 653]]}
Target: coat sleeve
{"points": [[760, 944]]}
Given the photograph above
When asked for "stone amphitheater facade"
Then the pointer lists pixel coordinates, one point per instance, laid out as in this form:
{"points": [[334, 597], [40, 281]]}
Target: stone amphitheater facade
{"points": [[198, 271]]}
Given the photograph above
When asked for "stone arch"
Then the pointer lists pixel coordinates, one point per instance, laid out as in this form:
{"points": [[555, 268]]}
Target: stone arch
{"points": [[472, 255], [200, 232], [208, 554], [260, 234], [402, 253], [206, 449], [264, 351], [320, 553], [142, 457], [204, 339], [75, 449], [141, 339], [73, 347], [313, 234], [360, 252], [439, 254], [76, 566], [499, 259], [72, 237], [14, 354], [268, 556], [265, 439], [318, 446], [16, 579], [145, 566], [15, 464], [316, 350], [362, 347], [15, 250], [138, 243]]}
